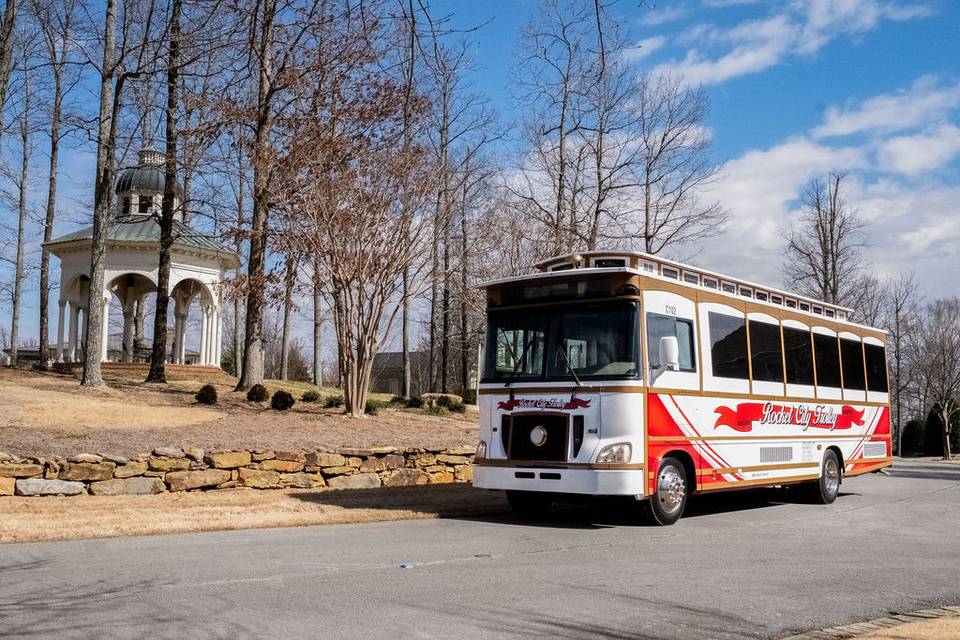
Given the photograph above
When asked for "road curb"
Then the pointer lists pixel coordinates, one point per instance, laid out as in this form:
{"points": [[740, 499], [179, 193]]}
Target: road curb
{"points": [[863, 628]]}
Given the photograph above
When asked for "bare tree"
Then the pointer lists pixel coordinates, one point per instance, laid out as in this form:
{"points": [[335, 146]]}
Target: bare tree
{"points": [[824, 246], [21, 184], [56, 24], [158, 357], [6, 52], [935, 356], [900, 319]]}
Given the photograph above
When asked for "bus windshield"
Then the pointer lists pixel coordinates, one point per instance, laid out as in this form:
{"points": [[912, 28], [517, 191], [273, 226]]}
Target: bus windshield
{"points": [[598, 339]]}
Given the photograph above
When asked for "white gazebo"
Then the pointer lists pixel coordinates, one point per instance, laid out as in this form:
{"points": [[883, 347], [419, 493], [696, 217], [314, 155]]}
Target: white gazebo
{"points": [[197, 266]]}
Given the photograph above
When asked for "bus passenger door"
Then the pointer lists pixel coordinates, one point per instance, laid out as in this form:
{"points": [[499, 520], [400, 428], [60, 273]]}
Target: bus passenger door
{"points": [[670, 339]]}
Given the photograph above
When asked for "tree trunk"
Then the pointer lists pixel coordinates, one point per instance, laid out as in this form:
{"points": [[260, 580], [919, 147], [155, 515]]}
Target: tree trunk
{"points": [[21, 219], [105, 139], [289, 278], [6, 53], [252, 371], [158, 357], [464, 338], [51, 214], [317, 329], [945, 418]]}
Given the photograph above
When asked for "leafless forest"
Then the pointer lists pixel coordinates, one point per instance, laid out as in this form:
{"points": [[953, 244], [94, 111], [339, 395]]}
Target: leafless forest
{"points": [[341, 149]]}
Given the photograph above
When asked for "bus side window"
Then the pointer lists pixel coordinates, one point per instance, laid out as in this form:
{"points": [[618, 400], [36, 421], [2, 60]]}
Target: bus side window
{"points": [[876, 368], [766, 350], [799, 356], [828, 360], [660, 326], [728, 346], [851, 355]]}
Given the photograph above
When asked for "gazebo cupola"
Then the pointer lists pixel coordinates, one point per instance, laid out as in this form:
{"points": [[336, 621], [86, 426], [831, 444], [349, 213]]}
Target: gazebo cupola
{"points": [[198, 264], [139, 188]]}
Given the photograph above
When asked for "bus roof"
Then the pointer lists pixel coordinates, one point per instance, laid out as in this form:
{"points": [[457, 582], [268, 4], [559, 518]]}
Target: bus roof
{"points": [[645, 264]]}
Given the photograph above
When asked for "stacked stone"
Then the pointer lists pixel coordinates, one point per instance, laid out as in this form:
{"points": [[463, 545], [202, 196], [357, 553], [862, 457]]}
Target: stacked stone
{"points": [[191, 469]]}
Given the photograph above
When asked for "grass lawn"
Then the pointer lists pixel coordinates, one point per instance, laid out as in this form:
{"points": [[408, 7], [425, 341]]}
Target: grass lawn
{"points": [[50, 414]]}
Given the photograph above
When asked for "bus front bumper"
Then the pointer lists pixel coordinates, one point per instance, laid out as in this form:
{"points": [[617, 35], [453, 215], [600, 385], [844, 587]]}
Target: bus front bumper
{"points": [[583, 479]]}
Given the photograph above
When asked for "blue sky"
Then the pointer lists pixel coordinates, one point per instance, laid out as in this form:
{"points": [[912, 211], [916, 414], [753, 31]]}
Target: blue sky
{"points": [[871, 87], [798, 87]]}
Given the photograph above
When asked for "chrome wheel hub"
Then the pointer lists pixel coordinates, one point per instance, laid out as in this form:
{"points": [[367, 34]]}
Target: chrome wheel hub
{"points": [[831, 476], [671, 489]]}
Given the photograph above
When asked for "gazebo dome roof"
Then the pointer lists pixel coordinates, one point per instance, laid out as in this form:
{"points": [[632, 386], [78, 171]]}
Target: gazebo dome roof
{"points": [[145, 230], [147, 177]]}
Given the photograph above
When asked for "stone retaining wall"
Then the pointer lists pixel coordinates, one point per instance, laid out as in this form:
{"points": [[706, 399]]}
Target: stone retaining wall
{"points": [[191, 469]]}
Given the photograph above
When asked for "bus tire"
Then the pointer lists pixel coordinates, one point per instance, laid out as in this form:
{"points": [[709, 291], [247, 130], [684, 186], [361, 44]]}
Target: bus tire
{"points": [[670, 493], [529, 503], [826, 489]]}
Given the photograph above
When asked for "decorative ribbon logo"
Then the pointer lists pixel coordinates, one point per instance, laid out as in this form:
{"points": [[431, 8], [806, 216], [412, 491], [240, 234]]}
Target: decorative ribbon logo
{"points": [[544, 403]]}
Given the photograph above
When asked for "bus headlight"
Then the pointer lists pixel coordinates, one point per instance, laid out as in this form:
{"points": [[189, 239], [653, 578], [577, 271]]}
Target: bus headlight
{"points": [[619, 452], [481, 449]]}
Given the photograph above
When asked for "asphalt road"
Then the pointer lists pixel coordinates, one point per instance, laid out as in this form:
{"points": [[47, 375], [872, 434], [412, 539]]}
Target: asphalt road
{"points": [[745, 565]]}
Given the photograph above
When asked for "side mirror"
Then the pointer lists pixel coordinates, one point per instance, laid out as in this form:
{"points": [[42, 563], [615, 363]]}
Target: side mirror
{"points": [[669, 353]]}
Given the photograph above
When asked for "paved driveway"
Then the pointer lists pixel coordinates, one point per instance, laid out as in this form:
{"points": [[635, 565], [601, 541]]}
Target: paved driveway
{"points": [[743, 565]]}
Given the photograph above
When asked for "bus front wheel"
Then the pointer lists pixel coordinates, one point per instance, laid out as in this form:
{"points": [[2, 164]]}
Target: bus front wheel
{"points": [[529, 503], [669, 497], [827, 487]]}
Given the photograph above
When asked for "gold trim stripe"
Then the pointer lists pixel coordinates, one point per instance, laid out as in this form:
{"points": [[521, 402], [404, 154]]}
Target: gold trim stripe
{"points": [[539, 464], [738, 484], [761, 467]]}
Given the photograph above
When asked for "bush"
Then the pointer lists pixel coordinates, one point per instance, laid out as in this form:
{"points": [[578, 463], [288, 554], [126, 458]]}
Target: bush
{"points": [[399, 400], [458, 407], [470, 397], [440, 399], [257, 393], [281, 401], [310, 396], [207, 394], [332, 402], [371, 408], [436, 410], [414, 403]]}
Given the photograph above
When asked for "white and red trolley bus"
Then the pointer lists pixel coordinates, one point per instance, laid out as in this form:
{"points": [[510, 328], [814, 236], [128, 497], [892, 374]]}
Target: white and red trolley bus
{"points": [[611, 373]]}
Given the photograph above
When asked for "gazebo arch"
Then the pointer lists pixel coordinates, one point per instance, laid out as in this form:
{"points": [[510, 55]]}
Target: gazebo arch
{"points": [[197, 267]]}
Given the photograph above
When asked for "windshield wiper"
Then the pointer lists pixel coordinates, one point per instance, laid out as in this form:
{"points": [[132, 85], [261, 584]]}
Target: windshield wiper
{"points": [[520, 360], [561, 350]]}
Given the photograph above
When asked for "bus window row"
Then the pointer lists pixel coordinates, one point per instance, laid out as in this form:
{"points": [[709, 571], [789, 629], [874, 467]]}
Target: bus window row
{"points": [[795, 356]]}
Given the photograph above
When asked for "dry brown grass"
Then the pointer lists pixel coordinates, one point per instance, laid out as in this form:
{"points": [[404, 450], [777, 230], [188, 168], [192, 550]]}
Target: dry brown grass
{"points": [[46, 414], [63, 518], [937, 629]]}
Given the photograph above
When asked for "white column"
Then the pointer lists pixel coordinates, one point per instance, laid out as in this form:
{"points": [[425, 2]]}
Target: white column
{"points": [[218, 339], [175, 347], [72, 339], [63, 304], [182, 356], [203, 335], [126, 347], [211, 320], [82, 338], [105, 332]]}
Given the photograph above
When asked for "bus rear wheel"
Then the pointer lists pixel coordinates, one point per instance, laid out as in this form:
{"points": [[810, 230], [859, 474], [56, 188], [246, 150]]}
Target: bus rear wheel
{"points": [[826, 489], [669, 497], [529, 503]]}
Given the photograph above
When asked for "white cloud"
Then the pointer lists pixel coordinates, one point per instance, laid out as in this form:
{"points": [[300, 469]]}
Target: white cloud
{"points": [[925, 101], [910, 211], [643, 48], [661, 15], [913, 155], [803, 27]]}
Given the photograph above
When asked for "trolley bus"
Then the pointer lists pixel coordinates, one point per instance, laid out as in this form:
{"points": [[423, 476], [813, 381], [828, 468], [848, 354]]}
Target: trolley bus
{"points": [[622, 373]]}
